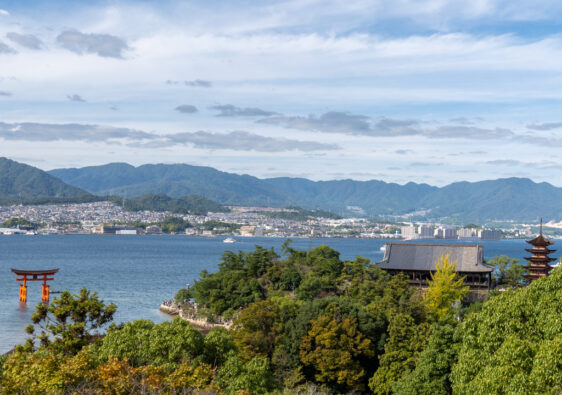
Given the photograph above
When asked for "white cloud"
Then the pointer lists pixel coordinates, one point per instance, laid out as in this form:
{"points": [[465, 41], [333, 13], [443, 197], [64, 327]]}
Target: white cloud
{"points": [[298, 58]]}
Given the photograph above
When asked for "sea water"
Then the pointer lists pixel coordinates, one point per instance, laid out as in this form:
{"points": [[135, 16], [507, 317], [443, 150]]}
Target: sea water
{"points": [[138, 272]]}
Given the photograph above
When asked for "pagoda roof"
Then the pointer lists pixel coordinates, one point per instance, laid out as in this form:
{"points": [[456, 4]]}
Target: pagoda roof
{"points": [[535, 259], [540, 240], [423, 257], [540, 250]]}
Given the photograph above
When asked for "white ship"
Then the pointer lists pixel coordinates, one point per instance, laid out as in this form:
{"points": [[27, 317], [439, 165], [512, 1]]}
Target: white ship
{"points": [[229, 240]]}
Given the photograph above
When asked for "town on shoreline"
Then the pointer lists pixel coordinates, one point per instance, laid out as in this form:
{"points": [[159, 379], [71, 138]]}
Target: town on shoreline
{"points": [[110, 218]]}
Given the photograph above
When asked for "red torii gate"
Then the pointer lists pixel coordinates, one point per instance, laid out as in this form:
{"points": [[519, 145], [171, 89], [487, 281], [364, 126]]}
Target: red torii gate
{"points": [[35, 275]]}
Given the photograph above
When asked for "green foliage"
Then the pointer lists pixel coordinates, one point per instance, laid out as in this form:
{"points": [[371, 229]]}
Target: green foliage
{"points": [[3, 359], [191, 204], [19, 222], [333, 349], [433, 365], [256, 329], [174, 225], [464, 201], [182, 296], [143, 342], [20, 182], [406, 339], [307, 321], [513, 344], [236, 284], [219, 227], [508, 271], [69, 322], [444, 291], [253, 376], [217, 345]]}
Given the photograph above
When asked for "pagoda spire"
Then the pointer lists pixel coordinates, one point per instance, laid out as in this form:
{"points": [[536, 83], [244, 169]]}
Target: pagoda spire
{"points": [[538, 265]]}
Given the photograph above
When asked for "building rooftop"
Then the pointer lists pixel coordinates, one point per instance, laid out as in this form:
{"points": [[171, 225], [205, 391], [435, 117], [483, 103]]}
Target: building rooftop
{"points": [[423, 257]]}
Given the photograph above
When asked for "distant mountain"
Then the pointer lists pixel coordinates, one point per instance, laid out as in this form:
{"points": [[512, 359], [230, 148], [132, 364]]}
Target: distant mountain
{"points": [[373, 197], [20, 182], [503, 199]]}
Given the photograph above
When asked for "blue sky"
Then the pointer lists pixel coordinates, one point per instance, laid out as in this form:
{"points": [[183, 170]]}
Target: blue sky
{"points": [[424, 91]]}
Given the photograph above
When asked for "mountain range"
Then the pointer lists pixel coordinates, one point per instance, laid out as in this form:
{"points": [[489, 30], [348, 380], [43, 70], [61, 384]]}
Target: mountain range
{"points": [[503, 199], [517, 199]]}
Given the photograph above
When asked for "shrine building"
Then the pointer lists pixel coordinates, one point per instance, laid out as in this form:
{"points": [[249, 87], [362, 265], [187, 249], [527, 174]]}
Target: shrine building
{"points": [[418, 261]]}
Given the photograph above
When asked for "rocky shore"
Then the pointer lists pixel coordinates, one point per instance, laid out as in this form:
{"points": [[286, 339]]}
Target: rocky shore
{"points": [[197, 322]]}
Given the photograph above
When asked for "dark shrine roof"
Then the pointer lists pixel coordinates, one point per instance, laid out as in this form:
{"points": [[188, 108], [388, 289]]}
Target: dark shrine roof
{"points": [[423, 257]]}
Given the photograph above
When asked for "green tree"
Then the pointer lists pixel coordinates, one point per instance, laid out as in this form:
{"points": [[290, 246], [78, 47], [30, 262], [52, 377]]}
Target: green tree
{"points": [[142, 342], [513, 345], [431, 375], [406, 340], [217, 345], [445, 290], [332, 349], [508, 271], [19, 222], [237, 284], [183, 295], [174, 225], [69, 322], [237, 376], [256, 329]]}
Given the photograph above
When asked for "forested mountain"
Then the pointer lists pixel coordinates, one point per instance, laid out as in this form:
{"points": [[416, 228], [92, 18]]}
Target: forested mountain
{"points": [[502, 199], [19, 182], [373, 197], [507, 198]]}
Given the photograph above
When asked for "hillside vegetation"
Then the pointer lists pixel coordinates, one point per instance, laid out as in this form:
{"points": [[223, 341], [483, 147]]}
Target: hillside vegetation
{"points": [[304, 322], [461, 202], [20, 182]]}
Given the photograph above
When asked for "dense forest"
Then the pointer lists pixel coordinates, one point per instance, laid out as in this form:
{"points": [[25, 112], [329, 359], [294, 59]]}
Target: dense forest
{"points": [[305, 322]]}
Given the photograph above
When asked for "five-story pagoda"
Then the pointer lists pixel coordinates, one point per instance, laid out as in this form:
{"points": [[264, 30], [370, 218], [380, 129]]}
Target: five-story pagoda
{"points": [[539, 263]]}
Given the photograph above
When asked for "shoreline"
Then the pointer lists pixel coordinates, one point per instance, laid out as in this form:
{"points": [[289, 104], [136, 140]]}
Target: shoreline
{"points": [[198, 323]]}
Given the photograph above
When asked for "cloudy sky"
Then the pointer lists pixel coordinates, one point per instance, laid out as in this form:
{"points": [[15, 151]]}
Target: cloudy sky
{"points": [[431, 91]]}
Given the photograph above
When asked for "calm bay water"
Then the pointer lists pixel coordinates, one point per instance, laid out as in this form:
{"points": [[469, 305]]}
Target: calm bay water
{"points": [[138, 272]]}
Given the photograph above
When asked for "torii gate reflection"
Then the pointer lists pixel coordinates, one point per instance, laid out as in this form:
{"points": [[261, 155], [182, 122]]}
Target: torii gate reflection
{"points": [[35, 275]]}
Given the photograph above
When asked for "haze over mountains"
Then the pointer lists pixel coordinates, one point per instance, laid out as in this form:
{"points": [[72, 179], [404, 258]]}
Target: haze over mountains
{"points": [[503, 199]]}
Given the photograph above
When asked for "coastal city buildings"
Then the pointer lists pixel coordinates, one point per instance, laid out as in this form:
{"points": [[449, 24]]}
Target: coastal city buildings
{"points": [[110, 218]]}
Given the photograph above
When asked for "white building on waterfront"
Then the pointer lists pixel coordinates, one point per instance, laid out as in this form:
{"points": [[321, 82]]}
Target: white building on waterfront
{"points": [[426, 231], [445, 233], [409, 232], [489, 234]]}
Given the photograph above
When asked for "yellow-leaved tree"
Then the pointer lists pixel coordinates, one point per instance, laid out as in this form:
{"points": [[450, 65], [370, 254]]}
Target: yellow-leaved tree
{"points": [[445, 289]]}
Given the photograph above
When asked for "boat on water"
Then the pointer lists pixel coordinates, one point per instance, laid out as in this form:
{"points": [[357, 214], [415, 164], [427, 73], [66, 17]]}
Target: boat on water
{"points": [[229, 240], [383, 248]]}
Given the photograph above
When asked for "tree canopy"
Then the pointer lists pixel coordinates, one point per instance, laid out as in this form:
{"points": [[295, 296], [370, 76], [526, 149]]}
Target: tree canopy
{"points": [[304, 322]]}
